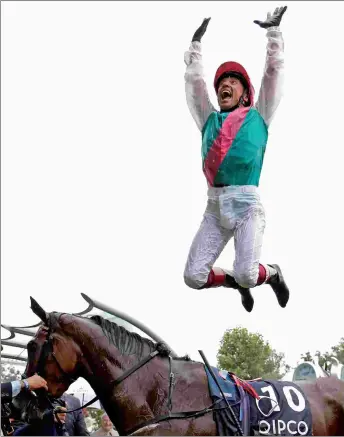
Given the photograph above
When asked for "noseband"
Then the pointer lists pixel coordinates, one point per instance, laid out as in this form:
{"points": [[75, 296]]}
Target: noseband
{"points": [[47, 350]]}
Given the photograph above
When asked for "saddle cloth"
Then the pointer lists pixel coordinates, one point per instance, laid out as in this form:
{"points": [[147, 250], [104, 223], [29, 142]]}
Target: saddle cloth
{"points": [[281, 408]]}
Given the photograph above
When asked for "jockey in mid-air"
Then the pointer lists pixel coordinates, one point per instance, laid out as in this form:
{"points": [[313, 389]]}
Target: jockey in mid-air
{"points": [[233, 147]]}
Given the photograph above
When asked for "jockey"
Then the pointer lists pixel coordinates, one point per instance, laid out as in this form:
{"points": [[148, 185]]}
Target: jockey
{"points": [[233, 146]]}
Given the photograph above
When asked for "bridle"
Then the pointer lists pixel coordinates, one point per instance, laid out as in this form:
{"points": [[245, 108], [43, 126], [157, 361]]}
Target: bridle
{"points": [[160, 350], [48, 350]]}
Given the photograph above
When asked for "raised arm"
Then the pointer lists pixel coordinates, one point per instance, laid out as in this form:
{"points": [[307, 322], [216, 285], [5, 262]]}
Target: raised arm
{"points": [[271, 89], [195, 87]]}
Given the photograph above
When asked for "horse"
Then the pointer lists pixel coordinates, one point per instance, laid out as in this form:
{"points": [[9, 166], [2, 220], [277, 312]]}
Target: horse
{"points": [[142, 388]]}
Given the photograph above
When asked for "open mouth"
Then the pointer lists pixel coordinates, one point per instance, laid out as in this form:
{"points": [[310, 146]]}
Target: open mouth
{"points": [[226, 94]]}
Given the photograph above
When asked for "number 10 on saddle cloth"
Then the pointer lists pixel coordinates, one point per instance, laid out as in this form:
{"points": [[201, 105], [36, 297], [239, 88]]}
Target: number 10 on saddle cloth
{"points": [[281, 408]]}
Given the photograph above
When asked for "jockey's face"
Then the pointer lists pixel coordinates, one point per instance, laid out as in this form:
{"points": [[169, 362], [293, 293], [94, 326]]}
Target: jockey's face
{"points": [[229, 92]]}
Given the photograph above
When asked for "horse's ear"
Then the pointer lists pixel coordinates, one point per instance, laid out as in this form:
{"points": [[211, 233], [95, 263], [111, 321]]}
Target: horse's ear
{"points": [[39, 311]]}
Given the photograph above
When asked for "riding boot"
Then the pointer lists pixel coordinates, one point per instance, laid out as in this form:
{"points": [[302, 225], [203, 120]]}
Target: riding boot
{"points": [[223, 278], [246, 296], [277, 283]]}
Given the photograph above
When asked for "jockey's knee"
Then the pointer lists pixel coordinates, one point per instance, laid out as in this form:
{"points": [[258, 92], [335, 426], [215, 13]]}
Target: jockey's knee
{"points": [[246, 278], [193, 279]]}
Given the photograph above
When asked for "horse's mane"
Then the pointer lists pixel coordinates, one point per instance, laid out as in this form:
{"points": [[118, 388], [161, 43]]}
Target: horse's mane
{"points": [[128, 343]]}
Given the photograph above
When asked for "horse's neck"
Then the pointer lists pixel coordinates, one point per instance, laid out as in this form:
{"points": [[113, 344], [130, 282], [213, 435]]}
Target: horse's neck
{"points": [[102, 361], [102, 364]]}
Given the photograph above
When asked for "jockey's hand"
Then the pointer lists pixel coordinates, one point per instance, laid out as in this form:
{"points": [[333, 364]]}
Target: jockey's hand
{"points": [[198, 35], [272, 20]]}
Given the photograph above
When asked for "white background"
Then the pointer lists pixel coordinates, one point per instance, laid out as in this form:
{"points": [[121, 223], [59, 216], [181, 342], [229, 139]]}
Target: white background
{"points": [[102, 187]]}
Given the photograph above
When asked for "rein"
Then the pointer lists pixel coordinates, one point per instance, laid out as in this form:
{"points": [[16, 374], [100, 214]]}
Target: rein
{"points": [[121, 378]]}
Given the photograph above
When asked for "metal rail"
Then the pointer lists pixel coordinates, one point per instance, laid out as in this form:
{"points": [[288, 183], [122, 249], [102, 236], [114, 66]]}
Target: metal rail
{"points": [[19, 330], [92, 303], [13, 344], [13, 357], [10, 362]]}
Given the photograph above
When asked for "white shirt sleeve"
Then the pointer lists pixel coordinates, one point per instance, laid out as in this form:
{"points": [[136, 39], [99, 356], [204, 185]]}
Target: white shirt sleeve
{"points": [[271, 90], [195, 87], [15, 388]]}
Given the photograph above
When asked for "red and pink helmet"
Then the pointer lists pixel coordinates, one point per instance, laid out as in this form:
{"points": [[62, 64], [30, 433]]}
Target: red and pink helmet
{"points": [[238, 71]]}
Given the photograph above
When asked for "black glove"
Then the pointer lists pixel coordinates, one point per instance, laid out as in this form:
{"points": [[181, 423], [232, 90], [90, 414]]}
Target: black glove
{"points": [[272, 20], [198, 35]]}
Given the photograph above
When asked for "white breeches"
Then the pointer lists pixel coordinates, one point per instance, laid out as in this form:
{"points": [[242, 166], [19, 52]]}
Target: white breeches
{"points": [[231, 211]]}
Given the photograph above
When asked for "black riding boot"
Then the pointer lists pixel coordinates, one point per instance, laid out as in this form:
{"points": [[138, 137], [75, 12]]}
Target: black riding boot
{"points": [[277, 283], [246, 296]]}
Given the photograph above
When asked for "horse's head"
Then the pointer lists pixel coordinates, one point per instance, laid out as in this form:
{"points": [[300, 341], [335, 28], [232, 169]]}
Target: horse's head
{"points": [[52, 353]]}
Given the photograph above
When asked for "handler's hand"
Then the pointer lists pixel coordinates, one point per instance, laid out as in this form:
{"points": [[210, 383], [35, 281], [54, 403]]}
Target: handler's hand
{"points": [[272, 20], [198, 35], [35, 382]]}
